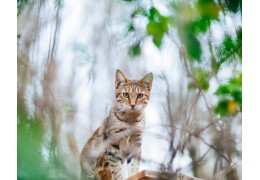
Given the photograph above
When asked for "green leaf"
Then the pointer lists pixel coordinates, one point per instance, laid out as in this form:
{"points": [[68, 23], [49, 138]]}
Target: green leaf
{"points": [[239, 43], [193, 47], [134, 50], [156, 30], [157, 26], [201, 25], [233, 5], [130, 28], [231, 94], [208, 8], [223, 89], [191, 43], [228, 50], [154, 15], [202, 79], [222, 108], [229, 44], [139, 11], [157, 41]]}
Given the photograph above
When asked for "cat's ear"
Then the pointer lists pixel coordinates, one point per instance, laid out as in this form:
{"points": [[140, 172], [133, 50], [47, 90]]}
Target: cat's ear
{"points": [[147, 80], [120, 78]]}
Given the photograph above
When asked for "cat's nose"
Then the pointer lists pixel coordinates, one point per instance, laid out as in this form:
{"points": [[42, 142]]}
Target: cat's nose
{"points": [[132, 106]]}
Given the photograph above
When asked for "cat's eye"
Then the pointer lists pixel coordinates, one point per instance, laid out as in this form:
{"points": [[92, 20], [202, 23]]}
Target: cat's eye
{"points": [[139, 96], [126, 95]]}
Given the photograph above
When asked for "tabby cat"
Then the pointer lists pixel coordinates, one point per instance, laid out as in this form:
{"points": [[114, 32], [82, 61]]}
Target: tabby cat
{"points": [[118, 139]]}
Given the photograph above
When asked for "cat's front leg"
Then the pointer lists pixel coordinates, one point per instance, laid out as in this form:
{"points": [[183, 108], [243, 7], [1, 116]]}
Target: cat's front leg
{"points": [[115, 163], [134, 160], [133, 166]]}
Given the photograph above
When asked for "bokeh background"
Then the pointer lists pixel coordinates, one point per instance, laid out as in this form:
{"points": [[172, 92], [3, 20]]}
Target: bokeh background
{"points": [[68, 52]]}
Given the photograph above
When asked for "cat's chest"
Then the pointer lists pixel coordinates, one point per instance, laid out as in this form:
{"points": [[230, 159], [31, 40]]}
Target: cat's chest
{"points": [[123, 135], [128, 144]]}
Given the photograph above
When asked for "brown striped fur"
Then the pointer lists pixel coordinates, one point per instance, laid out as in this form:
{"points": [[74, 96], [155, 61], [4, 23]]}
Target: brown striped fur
{"points": [[119, 137]]}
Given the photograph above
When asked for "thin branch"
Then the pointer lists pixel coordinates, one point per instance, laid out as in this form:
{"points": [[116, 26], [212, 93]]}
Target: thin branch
{"points": [[213, 147], [225, 171], [192, 107], [201, 158]]}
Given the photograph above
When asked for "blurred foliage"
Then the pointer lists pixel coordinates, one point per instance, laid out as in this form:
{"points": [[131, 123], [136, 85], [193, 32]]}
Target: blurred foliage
{"points": [[233, 5], [230, 48], [20, 5], [192, 20], [59, 3], [189, 25], [83, 54], [135, 49], [38, 155], [157, 26], [191, 43], [208, 9], [202, 79], [230, 97], [30, 136]]}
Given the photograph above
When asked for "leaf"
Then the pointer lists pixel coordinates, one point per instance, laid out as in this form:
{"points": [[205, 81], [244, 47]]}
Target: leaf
{"points": [[208, 8], [139, 11], [239, 42], [228, 49], [230, 94], [201, 25], [134, 50], [157, 26], [193, 47], [222, 108], [157, 41], [130, 28], [202, 79], [156, 30], [223, 89], [191, 43], [154, 15], [226, 108], [233, 5]]}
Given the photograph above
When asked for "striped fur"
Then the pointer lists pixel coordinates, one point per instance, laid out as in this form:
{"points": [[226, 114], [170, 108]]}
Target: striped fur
{"points": [[119, 137]]}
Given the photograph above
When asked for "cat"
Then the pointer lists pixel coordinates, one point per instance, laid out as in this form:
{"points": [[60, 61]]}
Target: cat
{"points": [[118, 139]]}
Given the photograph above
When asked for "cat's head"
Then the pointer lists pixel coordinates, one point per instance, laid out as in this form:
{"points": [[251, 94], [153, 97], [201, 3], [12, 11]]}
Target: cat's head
{"points": [[132, 95]]}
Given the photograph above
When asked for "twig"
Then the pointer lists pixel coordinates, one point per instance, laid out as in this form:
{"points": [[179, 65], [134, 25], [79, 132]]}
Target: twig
{"points": [[213, 147], [225, 171]]}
